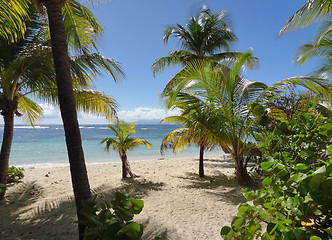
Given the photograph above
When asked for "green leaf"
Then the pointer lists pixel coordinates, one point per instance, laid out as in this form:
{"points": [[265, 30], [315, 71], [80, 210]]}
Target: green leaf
{"points": [[325, 130], [267, 165], [329, 151], [137, 205], [301, 167], [315, 238], [225, 230], [132, 231], [267, 181], [250, 195]]}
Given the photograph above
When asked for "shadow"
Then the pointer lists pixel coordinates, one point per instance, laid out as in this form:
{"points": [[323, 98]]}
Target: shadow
{"points": [[213, 163], [22, 218], [152, 231], [224, 187], [136, 188]]}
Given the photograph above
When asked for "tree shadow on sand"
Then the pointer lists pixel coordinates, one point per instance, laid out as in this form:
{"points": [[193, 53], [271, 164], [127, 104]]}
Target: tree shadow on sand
{"points": [[224, 187], [136, 188], [24, 215]]}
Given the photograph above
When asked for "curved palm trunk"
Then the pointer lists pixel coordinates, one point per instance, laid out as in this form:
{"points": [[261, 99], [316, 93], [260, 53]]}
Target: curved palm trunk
{"points": [[8, 132], [78, 171], [126, 168], [201, 162]]}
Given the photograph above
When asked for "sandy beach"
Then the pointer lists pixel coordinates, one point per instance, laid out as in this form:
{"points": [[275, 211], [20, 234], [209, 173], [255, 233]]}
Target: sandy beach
{"points": [[177, 204]]}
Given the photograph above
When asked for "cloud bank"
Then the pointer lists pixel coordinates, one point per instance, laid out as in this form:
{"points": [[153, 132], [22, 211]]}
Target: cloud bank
{"points": [[138, 115]]}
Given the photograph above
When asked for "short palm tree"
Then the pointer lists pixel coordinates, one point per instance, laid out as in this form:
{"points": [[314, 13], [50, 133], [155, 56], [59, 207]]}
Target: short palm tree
{"points": [[224, 95], [206, 36], [193, 131], [123, 142]]}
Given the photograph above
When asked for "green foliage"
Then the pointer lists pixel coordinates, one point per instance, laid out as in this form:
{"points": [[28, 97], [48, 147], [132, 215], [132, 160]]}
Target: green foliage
{"points": [[112, 220], [14, 174], [296, 199]]}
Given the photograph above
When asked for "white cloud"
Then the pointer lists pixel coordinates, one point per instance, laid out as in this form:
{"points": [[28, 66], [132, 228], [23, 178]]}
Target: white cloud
{"points": [[145, 114], [139, 115]]}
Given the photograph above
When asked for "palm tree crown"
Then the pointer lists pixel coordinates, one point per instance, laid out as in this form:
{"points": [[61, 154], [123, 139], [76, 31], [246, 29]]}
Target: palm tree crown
{"points": [[206, 36]]}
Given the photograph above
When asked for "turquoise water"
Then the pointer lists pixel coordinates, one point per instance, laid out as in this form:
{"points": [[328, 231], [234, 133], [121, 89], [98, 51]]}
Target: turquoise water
{"points": [[44, 145]]}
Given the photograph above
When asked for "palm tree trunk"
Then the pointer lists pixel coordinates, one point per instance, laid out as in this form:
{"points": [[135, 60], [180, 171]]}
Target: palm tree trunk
{"points": [[6, 146], [201, 162], [243, 178], [78, 171], [126, 168]]}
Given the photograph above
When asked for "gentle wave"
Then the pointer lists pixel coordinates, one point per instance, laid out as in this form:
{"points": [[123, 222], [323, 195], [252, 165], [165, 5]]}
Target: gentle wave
{"points": [[31, 127]]}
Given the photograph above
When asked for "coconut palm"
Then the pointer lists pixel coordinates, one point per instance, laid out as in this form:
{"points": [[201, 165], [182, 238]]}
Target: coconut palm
{"points": [[85, 29], [223, 95], [123, 142], [192, 131], [311, 11], [13, 17], [26, 69], [206, 36]]}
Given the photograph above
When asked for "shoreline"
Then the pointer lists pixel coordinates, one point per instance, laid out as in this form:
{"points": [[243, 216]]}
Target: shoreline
{"points": [[177, 204], [137, 159]]}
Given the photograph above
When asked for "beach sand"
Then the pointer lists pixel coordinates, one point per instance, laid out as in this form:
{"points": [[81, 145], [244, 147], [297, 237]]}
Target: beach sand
{"points": [[177, 204]]}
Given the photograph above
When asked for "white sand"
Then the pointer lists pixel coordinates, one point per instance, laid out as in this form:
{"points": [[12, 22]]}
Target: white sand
{"points": [[177, 204]]}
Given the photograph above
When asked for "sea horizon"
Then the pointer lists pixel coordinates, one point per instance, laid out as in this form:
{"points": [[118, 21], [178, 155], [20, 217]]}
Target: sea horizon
{"points": [[44, 145]]}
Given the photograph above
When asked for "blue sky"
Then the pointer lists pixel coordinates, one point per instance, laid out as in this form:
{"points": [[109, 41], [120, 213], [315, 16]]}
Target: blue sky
{"points": [[133, 36]]}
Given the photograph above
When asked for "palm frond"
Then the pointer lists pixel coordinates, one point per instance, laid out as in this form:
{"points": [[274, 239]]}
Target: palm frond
{"points": [[82, 27], [31, 111], [13, 17], [311, 11], [95, 102], [317, 85]]}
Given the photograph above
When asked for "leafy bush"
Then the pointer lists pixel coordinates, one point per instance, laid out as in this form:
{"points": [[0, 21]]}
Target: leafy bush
{"points": [[296, 199], [112, 220], [294, 204], [14, 174]]}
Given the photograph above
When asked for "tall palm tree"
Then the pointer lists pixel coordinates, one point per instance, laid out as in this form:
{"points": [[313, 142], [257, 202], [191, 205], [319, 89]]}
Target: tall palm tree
{"points": [[206, 36], [60, 12], [123, 142], [192, 131], [26, 69]]}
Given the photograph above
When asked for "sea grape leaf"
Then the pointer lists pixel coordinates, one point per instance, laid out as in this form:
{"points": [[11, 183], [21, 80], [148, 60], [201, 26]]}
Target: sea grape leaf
{"points": [[132, 231]]}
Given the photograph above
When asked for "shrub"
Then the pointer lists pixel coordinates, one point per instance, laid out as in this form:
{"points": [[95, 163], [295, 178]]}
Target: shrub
{"points": [[112, 220], [14, 174]]}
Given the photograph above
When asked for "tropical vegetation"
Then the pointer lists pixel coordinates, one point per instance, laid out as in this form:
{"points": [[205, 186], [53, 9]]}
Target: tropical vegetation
{"points": [[122, 142], [69, 23]]}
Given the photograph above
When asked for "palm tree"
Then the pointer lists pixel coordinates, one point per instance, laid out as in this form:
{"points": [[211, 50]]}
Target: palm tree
{"points": [[311, 11], [26, 68], [85, 28], [60, 12], [224, 96], [123, 142], [205, 36], [192, 131], [13, 17]]}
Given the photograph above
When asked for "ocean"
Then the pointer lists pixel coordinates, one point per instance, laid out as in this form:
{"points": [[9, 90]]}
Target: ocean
{"points": [[45, 145]]}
